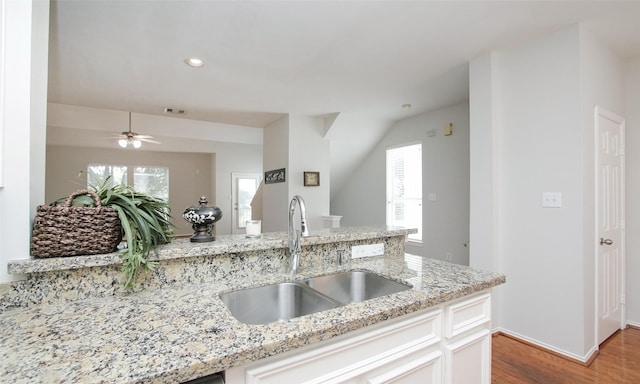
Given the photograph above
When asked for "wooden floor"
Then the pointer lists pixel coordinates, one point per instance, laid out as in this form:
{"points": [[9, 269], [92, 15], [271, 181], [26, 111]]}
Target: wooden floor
{"points": [[517, 362]]}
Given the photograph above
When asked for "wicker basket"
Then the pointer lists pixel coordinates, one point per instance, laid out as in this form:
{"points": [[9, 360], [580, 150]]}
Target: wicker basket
{"points": [[65, 230]]}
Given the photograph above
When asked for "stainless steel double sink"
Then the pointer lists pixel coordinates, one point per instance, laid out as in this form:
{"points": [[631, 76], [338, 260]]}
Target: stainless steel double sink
{"points": [[284, 301]]}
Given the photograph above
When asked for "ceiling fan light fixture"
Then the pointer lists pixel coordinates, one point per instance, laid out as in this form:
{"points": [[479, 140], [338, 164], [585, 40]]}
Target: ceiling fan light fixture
{"points": [[194, 62], [129, 138]]}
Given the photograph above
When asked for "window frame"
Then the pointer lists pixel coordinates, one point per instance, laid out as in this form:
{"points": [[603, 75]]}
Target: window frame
{"points": [[415, 239], [167, 176], [129, 175]]}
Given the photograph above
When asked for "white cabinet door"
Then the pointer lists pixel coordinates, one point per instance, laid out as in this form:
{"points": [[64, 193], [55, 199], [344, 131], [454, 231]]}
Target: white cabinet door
{"points": [[469, 359], [407, 347], [423, 370]]}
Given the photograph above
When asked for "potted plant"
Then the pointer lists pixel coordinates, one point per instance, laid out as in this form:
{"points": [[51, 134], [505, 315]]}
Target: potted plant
{"points": [[145, 222]]}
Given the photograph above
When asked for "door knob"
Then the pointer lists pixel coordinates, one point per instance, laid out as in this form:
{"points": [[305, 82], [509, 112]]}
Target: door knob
{"points": [[604, 241]]}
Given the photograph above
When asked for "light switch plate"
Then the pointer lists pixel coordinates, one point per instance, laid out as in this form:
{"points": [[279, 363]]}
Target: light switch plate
{"points": [[551, 199], [366, 250]]}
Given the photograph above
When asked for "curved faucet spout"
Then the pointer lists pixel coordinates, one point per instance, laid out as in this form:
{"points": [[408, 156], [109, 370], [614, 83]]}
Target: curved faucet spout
{"points": [[295, 249]]}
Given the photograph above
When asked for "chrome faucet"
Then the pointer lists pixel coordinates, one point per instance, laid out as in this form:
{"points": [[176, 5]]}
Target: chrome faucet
{"points": [[295, 248]]}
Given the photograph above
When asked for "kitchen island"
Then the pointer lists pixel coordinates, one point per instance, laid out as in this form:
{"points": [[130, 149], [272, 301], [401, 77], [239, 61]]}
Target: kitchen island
{"points": [[174, 329]]}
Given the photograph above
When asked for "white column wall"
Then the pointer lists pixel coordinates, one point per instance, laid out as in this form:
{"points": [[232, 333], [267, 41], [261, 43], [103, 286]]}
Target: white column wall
{"points": [[484, 191], [24, 79], [632, 115], [484, 183], [295, 143], [309, 151], [275, 156]]}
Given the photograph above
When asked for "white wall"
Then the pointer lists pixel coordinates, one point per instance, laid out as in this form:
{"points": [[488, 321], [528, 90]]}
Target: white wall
{"points": [[23, 114], [541, 151], [483, 154], [295, 143], [232, 158], [309, 151], [540, 122], [276, 155], [445, 172], [361, 200], [632, 115]]}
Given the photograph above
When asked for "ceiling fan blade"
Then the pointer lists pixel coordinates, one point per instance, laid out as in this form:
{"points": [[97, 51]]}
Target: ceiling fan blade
{"points": [[149, 140], [131, 136]]}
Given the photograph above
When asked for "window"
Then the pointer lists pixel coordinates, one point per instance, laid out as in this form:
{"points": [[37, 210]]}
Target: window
{"points": [[153, 181], [98, 173], [404, 188]]}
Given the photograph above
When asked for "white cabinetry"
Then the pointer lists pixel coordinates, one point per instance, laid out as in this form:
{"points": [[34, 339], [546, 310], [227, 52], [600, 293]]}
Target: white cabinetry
{"points": [[445, 344], [467, 342]]}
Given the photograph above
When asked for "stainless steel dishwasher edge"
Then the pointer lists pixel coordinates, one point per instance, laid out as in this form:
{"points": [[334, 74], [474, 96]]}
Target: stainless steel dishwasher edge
{"points": [[216, 378]]}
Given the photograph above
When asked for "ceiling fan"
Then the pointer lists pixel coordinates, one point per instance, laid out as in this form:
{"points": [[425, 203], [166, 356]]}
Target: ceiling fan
{"points": [[131, 138]]}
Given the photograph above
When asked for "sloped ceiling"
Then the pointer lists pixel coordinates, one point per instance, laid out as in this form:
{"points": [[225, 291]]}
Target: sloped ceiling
{"points": [[356, 62]]}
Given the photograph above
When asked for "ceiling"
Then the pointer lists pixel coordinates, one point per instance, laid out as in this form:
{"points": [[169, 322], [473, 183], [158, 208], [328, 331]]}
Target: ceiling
{"points": [[357, 60]]}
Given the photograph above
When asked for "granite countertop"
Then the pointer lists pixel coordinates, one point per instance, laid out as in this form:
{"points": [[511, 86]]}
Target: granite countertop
{"points": [[178, 334], [182, 248]]}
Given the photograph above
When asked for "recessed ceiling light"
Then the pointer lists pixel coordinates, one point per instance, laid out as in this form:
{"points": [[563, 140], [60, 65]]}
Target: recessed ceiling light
{"points": [[406, 106], [194, 62]]}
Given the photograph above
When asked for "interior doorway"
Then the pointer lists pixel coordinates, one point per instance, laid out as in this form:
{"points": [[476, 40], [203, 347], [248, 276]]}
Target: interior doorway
{"points": [[243, 188], [610, 221]]}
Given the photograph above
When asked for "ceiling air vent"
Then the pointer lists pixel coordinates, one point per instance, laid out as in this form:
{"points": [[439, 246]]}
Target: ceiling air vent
{"points": [[174, 111]]}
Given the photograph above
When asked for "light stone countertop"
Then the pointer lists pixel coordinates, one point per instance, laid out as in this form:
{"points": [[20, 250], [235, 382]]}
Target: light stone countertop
{"points": [[182, 248], [180, 333]]}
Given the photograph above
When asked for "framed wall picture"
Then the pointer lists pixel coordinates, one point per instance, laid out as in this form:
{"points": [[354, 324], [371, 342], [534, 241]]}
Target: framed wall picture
{"points": [[275, 176], [311, 179]]}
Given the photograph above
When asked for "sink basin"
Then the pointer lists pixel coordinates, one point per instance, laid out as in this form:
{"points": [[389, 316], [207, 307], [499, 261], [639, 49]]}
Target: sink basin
{"points": [[276, 302], [355, 286], [284, 301]]}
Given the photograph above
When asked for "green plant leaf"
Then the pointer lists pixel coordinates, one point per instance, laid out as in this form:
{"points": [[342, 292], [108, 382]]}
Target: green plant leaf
{"points": [[146, 222]]}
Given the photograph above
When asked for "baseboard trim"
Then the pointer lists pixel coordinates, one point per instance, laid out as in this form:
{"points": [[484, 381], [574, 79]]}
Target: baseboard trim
{"points": [[591, 357], [633, 325]]}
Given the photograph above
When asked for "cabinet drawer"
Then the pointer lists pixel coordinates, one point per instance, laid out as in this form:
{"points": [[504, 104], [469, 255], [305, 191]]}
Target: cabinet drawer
{"points": [[467, 314], [352, 356], [426, 369]]}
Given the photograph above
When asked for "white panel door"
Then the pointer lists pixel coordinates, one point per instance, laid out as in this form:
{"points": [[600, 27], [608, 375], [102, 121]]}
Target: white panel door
{"points": [[610, 221], [243, 188]]}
